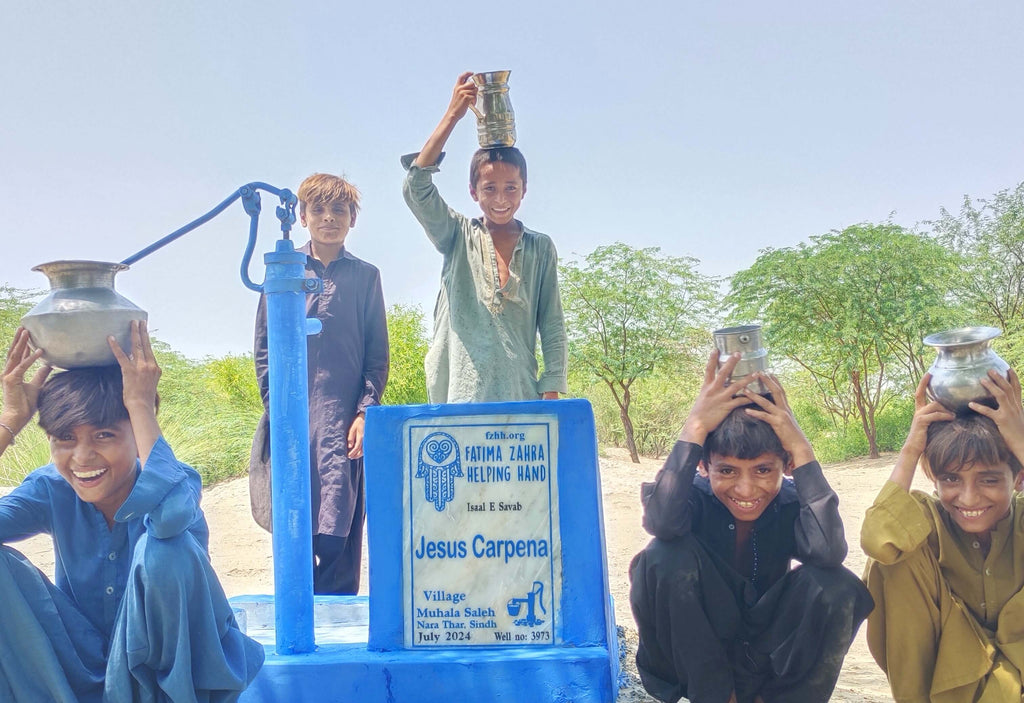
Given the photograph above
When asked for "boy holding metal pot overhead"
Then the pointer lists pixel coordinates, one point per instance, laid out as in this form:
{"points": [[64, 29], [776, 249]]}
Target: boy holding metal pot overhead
{"points": [[946, 570], [721, 613], [499, 279], [135, 611]]}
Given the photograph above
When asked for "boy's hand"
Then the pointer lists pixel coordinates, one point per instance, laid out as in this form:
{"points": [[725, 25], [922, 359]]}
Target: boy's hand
{"points": [[1009, 416], [780, 416], [20, 397], [549, 395], [715, 400], [140, 374], [463, 95], [139, 370], [355, 437], [925, 413]]}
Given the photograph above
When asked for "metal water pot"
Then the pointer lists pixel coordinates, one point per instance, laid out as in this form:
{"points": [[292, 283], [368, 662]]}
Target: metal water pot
{"points": [[495, 119], [72, 322], [964, 357], [745, 339]]}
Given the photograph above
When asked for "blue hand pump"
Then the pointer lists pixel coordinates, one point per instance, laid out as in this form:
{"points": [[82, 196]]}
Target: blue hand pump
{"points": [[285, 286]]}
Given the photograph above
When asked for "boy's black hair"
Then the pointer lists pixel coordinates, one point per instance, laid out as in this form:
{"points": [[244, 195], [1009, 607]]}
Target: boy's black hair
{"points": [[91, 395], [743, 437], [969, 439], [505, 154]]}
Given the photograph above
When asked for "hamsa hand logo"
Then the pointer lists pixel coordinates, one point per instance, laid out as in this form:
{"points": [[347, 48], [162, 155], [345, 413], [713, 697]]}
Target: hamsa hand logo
{"points": [[439, 466]]}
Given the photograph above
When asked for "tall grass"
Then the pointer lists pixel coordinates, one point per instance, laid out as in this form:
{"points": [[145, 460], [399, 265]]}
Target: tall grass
{"points": [[208, 414], [30, 451], [209, 411], [209, 408]]}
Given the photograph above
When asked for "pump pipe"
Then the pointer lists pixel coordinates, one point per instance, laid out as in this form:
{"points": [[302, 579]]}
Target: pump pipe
{"points": [[285, 286]]}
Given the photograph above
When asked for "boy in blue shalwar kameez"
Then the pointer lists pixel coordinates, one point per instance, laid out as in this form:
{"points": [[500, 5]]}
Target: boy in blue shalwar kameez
{"points": [[136, 612]]}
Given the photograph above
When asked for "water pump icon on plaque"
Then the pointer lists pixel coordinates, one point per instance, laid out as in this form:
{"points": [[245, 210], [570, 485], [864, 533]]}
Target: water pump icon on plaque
{"points": [[533, 600], [481, 531]]}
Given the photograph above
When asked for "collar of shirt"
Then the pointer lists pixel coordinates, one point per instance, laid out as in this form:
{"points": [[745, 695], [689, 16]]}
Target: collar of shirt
{"points": [[314, 264], [970, 545]]}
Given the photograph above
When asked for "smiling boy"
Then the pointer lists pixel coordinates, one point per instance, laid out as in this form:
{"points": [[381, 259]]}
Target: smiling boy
{"points": [[348, 363], [720, 613], [135, 611], [947, 570], [499, 279]]}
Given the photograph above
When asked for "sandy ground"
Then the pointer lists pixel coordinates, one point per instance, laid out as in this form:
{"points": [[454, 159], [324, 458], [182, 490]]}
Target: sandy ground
{"points": [[241, 552]]}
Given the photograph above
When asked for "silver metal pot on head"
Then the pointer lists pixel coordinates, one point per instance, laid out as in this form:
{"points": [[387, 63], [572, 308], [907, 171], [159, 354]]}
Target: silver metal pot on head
{"points": [[745, 339], [495, 118], [72, 323], [964, 357]]}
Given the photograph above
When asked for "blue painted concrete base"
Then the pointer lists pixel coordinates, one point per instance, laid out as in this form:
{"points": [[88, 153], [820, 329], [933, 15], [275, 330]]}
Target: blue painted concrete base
{"points": [[348, 672]]}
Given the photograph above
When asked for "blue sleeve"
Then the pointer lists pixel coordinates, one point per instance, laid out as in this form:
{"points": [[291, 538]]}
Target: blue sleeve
{"points": [[166, 495], [26, 511]]}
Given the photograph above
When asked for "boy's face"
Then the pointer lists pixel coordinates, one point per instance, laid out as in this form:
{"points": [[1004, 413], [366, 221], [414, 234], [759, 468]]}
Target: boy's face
{"points": [[745, 486], [499, 189], [328, 223], [978, 496], [98, 462]]}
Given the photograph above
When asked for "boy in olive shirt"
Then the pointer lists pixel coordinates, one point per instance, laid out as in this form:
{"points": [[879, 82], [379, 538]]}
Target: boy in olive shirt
{"points": [[947, 569]]}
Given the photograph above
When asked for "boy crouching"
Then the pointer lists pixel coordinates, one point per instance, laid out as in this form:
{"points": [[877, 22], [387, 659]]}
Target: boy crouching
{"points": [[720, 613], [947, 569], [136, 612]]}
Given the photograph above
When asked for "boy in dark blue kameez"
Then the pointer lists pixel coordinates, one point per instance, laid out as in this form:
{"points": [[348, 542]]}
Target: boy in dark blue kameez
{"points": [[348, 364], [136, 612]]}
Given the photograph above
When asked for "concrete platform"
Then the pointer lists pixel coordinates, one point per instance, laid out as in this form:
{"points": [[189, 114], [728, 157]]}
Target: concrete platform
{"points": [[343, 670]]}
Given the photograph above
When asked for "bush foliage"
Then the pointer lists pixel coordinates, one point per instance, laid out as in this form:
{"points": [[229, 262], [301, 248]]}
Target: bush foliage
{"points": [[210, 407]]}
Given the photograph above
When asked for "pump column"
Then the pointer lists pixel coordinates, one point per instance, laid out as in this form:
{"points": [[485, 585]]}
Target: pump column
{"points": [[286, 287]]}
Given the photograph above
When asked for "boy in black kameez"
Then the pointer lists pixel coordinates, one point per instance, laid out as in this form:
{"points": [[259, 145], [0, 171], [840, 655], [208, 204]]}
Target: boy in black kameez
{"points": [[721, 616]]}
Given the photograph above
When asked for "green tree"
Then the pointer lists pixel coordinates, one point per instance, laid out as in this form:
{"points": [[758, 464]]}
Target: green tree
{"points": [[407, 381], [989, 236], [630, 311], [851, 308]]}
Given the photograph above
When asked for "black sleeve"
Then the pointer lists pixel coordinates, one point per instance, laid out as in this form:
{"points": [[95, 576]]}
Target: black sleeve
{"points": [[667, 510]]}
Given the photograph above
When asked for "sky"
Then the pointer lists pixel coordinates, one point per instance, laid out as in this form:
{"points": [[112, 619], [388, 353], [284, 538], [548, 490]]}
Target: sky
{"points": [[711, 130]]}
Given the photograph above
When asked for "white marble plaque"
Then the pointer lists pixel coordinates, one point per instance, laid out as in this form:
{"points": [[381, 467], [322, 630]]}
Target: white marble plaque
{"points": [[483, 562]]}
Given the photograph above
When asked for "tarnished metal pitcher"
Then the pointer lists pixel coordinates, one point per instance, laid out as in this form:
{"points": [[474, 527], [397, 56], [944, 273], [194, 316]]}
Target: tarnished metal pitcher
{"points": [[745, 339], [495, 120], [964, 357], [72, 322]]}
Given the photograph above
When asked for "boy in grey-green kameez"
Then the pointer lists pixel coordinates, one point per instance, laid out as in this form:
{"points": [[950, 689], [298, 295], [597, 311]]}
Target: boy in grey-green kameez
{"points": [[499, 280]]}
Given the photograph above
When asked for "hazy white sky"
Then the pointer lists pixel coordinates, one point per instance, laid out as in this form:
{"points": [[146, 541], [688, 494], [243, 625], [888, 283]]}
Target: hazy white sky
{"points": [[708, 129]]}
